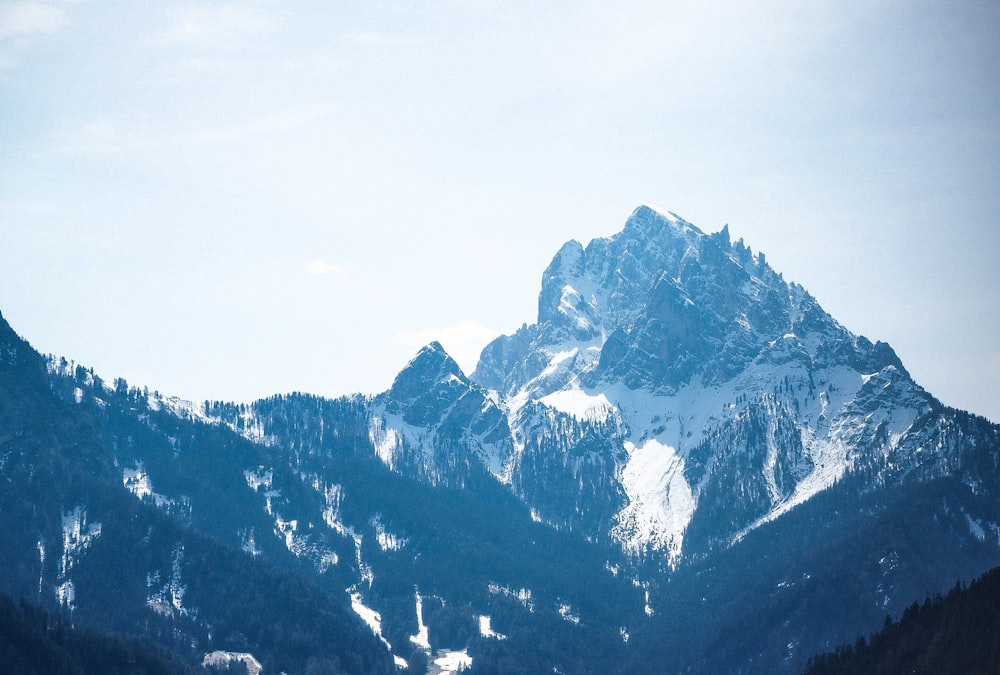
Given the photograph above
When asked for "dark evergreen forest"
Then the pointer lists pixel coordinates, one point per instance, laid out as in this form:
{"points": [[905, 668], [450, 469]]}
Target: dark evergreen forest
{"points": [[955, 633], [35, 642]]}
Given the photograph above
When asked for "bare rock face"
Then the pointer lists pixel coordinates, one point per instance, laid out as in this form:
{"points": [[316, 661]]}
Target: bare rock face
{"points": [[705, 368]]}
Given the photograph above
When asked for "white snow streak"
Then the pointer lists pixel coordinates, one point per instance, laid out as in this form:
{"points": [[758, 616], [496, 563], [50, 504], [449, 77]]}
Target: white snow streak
{"points": [[367, 614], [421, 639], [78, 535], [661, 502]]}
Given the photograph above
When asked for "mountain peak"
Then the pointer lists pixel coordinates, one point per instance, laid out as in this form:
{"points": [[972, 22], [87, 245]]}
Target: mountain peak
{"points": [[432, 367], [611, 273], [433, 347], [655, 305], [650, 222]]}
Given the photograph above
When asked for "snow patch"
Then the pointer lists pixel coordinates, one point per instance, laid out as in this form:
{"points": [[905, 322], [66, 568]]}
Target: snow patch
{"points": [[580, 404], [220, 659], [386, 441], [387, 541], [570, 304], [66, 595], [453, 662], [567, 613], [259, 478], [661, 502], [486, 629], [333, 495], [181, 408], [285, 529], [369, 616], [137, 482], [374, 621]]}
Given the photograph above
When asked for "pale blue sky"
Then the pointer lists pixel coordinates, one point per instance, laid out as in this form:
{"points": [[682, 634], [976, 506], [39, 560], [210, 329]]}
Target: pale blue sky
{"points": [[230, 200]]}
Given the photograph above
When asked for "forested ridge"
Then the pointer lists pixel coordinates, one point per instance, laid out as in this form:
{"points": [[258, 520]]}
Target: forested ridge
{"points": [[955, 633], [33, 641]]}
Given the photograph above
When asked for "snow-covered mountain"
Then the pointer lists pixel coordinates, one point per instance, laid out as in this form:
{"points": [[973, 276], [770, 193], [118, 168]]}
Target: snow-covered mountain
{"points": [[710, 394], [684, 465], [676, 394]]}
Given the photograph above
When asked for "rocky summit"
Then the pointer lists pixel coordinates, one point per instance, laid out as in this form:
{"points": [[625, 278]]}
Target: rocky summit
{"points": [[724, 380]]}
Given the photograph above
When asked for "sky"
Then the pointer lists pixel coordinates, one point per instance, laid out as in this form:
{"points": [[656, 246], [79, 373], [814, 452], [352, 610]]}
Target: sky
{"points": [[229, 200]]}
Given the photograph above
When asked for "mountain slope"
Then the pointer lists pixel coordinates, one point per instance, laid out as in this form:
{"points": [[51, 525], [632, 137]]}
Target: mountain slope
{"points": [[684, 465], [675, 396], [76, 540], [296, 484], [438, 425]]}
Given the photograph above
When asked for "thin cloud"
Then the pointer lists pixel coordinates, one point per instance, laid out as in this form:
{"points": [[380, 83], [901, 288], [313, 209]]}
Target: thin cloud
{"points": [[323, 269], [223, 27], [30, 19], [96, 138], [27, 208], [385, 40], [279, 121], [105, 137], [205, 65]]}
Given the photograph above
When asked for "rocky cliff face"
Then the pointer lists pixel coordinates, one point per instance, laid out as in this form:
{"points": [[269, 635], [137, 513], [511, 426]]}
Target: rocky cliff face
{"points": [[655, 305], [435, 423], [724, 395]]}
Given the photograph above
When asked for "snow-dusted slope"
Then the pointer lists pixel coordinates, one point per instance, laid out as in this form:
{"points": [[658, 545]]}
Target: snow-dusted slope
{"points": [[437, 424]]}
